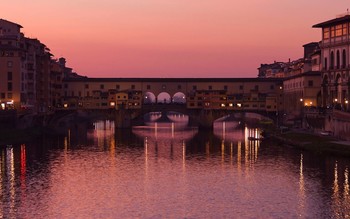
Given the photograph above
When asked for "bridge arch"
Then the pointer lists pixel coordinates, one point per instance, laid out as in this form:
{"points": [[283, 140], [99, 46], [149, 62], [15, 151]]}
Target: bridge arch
{"points": [[149, 98], [179, 98], [163, 97]]}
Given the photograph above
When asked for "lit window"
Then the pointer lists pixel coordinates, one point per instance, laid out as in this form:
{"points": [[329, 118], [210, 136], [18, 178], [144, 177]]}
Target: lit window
{"points": [[326, 33]]}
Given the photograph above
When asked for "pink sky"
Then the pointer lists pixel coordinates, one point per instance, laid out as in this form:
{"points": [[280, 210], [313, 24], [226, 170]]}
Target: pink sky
{"points": [[172, 38]]}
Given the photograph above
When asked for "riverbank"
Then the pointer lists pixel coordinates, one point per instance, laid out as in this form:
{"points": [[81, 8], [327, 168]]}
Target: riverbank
{"points": [[313, 142]]}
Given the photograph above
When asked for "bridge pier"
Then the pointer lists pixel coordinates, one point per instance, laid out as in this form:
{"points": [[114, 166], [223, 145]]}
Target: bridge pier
{"points": [[122, 119], [204, 119]]}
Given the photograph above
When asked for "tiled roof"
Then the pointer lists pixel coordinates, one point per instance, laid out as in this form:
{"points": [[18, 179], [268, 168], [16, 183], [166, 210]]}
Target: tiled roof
{"points": [[333, 21]]}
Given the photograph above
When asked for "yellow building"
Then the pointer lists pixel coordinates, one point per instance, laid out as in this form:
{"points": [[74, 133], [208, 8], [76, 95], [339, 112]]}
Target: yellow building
{"points": [[261, 94], [302, 90]]}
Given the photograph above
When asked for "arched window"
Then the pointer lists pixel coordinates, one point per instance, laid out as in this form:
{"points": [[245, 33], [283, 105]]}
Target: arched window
{"points": [[344, 58], [325, 63], [338, 59], [332, 60]]}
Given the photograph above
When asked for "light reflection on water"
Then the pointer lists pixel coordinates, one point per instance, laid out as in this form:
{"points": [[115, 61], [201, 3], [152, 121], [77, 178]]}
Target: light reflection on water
{"points": [[169, 173]]}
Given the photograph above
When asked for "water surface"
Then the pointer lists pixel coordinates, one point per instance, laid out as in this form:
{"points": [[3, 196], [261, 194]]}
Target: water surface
{"points": [[169, 173]]}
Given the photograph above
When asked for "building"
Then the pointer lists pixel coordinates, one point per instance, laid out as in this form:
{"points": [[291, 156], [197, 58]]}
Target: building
{"points": [[252, 94], [301, 91], [334, 57], [30, 80], [290, 68], [12, 58]]}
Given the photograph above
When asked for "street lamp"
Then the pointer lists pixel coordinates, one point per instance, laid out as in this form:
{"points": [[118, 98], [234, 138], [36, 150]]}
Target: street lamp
{"points": [[335, 103], [346, 104], [301, 111]]}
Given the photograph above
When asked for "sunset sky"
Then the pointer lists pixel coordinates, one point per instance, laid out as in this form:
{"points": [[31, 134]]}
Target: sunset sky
{"points": [[172, 38]]}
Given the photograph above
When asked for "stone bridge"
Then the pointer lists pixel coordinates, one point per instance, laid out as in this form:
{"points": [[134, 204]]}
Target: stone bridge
{"points": [[203, 118]]}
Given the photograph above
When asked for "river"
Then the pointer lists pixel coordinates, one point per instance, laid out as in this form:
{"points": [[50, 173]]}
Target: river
{"points": [[169, 172]]}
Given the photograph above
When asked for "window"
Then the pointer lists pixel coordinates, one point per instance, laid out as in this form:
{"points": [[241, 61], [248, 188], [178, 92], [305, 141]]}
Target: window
{"points": [[332, 31], [87, 93], [9, 64], [9, 76], [325, 63], [194, 87], [86, 86], [225, 87], [241, 87], [344, 58], [256, 87], [117, 86], [210, 87], [338, 59], [339, 30], [102, 86], [66, 86], [272, 87], [179, 87], [345, 29], [148, 87], [2, 95], [326, 33], [72, 93], [132, 86], [9, 86], [9, 95], [79, 93], [310, 83], [332, 60]]}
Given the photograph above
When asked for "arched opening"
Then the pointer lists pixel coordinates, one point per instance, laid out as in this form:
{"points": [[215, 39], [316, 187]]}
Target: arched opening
{"points": [[338, 93], [325, 94], [338, 59], [149, 98], [164, 98], [179, 98], [344, 58], [325, 63], [332, 60]]}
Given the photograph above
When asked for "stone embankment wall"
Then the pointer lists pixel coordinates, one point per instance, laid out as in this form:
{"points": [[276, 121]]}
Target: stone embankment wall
{"points": [[339, 123], [335, 121], [8, 119]]}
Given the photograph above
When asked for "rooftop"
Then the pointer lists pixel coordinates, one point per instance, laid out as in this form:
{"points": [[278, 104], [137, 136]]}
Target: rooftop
{"points": [[176, 80], [11, 22], [337, 20]]}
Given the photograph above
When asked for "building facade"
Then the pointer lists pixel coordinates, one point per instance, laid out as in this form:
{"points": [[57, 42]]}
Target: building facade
{"points": [[30, 80], [259, 94], [335, 47], [301, 91]]}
